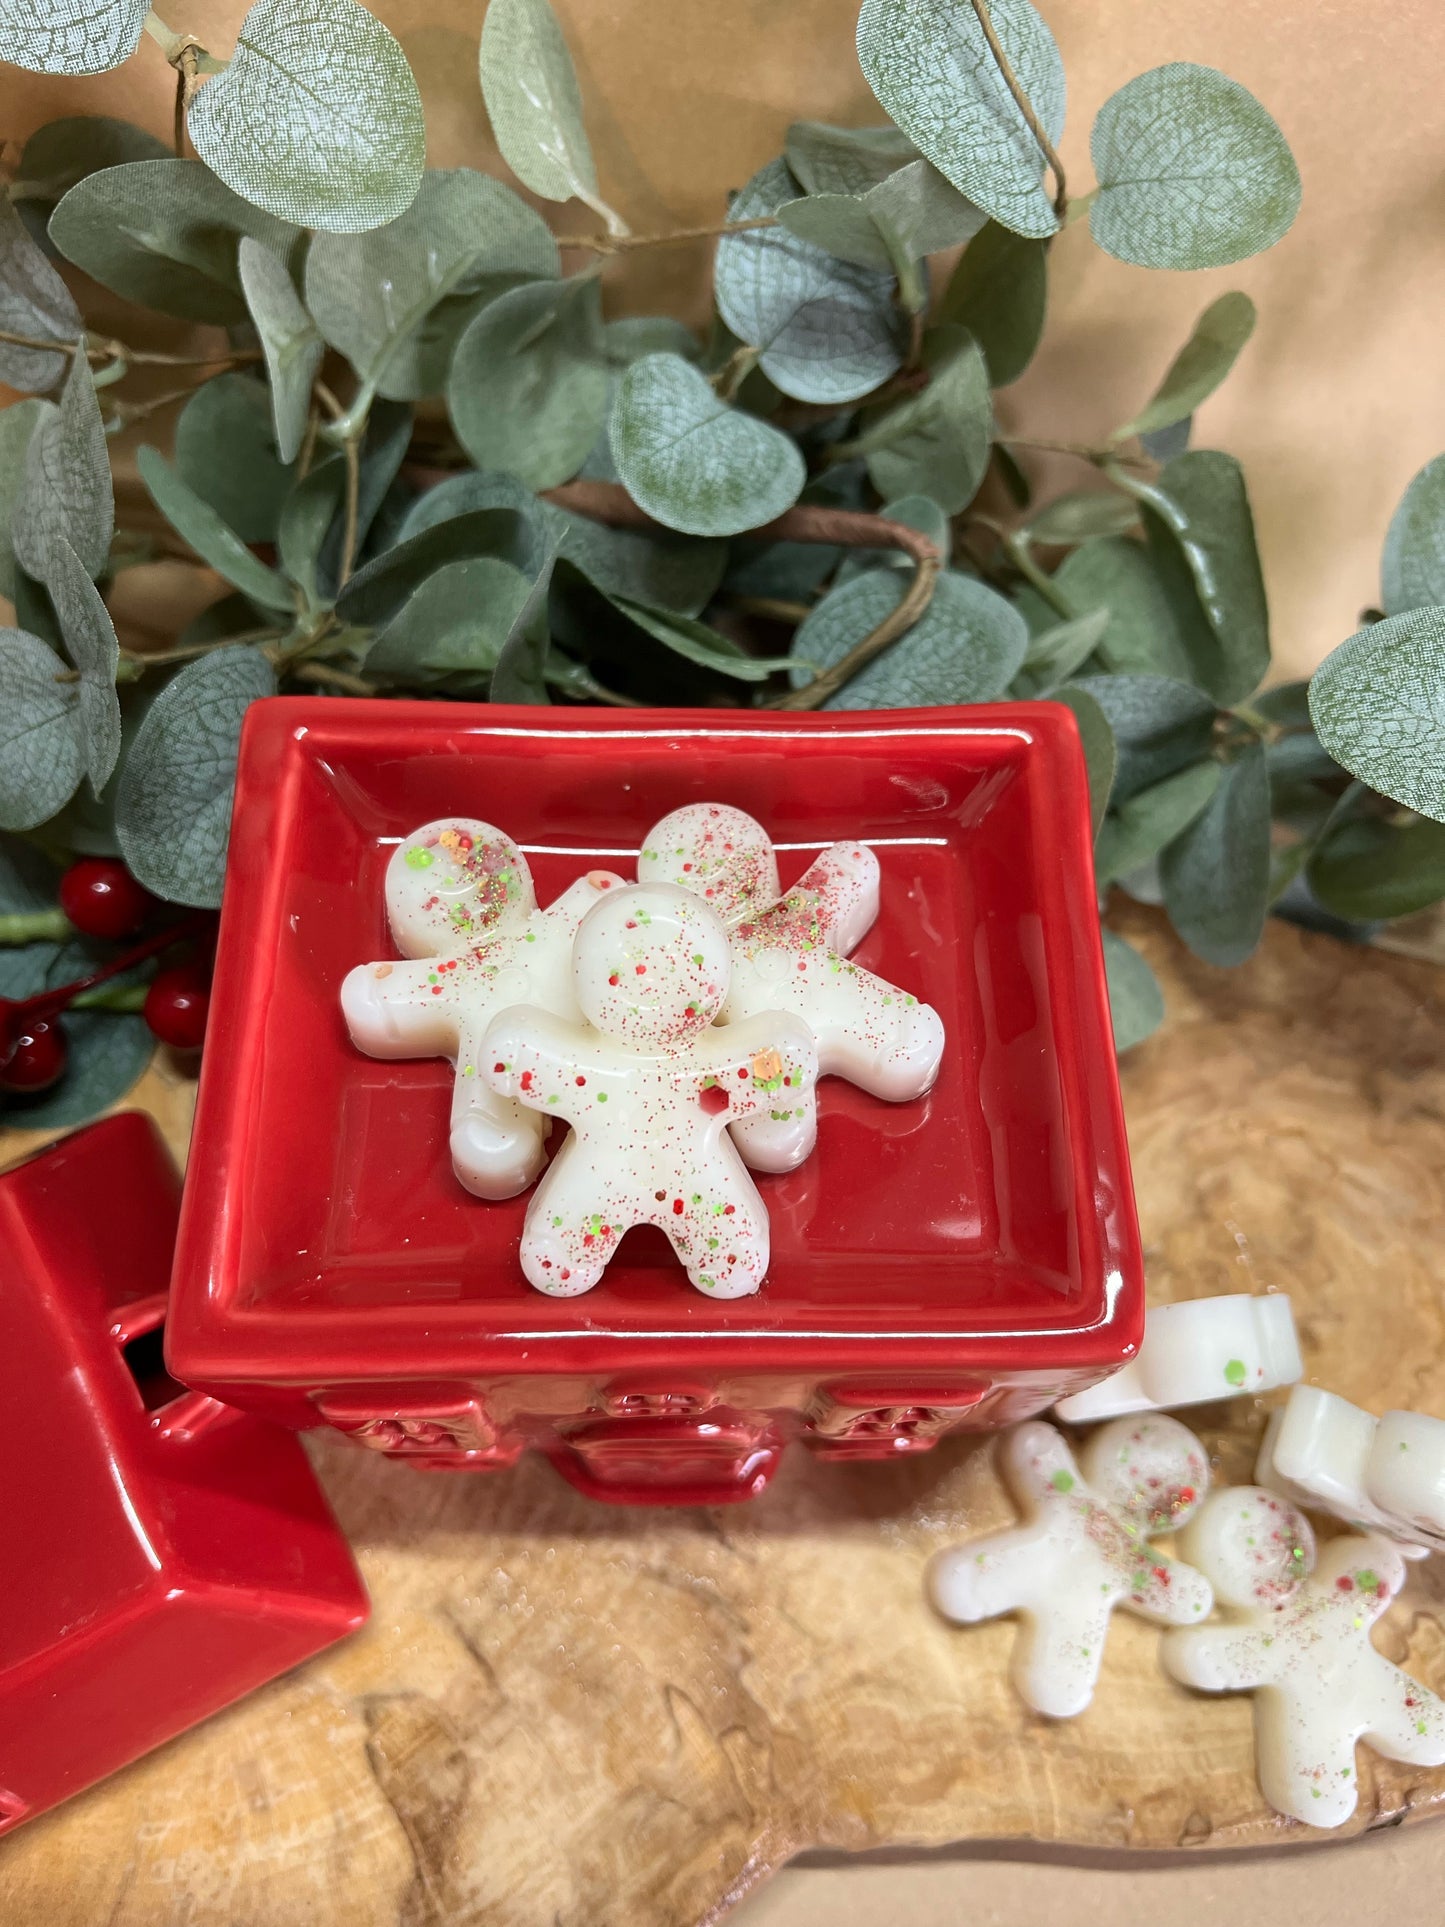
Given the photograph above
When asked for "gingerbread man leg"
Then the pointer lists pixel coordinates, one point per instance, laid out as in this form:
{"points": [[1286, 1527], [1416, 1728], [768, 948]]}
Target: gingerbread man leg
{"points": [[1408, 1722], [570, 1236], [721, 1232], [496, 1144], [1058, 1653]]}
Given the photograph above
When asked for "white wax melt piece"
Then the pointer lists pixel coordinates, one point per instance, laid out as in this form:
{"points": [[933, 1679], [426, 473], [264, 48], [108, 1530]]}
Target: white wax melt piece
{"points": [[1203, 1349], [649, 1084], [790, 952], [1298, 1638], [463, 912], [1389, 1473], [1083, 1550]]}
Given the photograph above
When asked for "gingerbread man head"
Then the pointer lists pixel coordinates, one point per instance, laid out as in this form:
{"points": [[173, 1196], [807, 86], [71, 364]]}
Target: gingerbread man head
{"points": [[721, 854], [1254, 1547], [651, 965], [1151, 1469], [452, 884]]}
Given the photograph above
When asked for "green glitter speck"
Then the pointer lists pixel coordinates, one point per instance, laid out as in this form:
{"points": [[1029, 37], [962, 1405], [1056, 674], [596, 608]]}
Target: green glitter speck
{"points": [[1234, 1371]]}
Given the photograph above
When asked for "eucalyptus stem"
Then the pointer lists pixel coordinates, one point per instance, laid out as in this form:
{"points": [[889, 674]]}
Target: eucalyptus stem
{"points": [[111, 350], [1016, 548], [1025, 105], [625, 243], [351, 451]]}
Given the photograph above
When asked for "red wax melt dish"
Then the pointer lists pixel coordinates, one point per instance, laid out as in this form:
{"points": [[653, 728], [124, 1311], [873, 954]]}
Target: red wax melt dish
{"points": [[163, 1555], [957, 1262]]}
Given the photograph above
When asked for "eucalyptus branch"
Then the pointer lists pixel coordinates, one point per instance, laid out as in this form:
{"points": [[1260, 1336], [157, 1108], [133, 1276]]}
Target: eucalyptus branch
{"points": [[1016, 548], [351, 451], [112, 350], [1025, 105], [610, 503], [625, 243], [186, 652], [327, 672]]}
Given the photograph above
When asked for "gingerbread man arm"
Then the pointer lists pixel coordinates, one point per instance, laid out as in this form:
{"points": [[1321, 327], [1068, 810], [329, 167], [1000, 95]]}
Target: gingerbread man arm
{"points": [[764, 1063], [843, 881], [401, 1009], [986, 1578], [1219, 1659], [533, 1057], [1167, 1592]]}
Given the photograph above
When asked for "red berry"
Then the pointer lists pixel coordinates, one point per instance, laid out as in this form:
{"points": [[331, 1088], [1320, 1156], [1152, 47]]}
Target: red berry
{"points": [[36, 1057], [103, 899], [176, 1005]]}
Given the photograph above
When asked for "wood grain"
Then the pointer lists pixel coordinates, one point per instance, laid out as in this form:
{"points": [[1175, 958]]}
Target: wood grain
{"points": [[563, 1712]]}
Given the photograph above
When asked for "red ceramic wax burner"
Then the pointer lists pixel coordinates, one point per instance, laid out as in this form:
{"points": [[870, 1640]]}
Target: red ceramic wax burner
{"points": [[162, 1555], [957, 1262]]}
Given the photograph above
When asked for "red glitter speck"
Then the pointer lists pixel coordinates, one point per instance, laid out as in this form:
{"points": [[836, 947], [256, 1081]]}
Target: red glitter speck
{"points": [[566, 1274], [677, 1207], [714, 1099], [1162, 1574], [742, 1070], [659, 1195], [499, 1068], [686, 869], [728, 1210], [526, 1080], [1344, 1583], [614, 979], [639, 970], [436, 990], [581, 1080], [1186, 1495]]}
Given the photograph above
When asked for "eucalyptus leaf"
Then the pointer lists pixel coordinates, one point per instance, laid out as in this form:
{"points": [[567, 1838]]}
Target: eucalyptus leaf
{"points": [[1086, 513], [383, 449], [91, 644], [70, 36], [1412, 570], [521, 672], [1368, 865], [1136, 1003], [225, 451], [912, 213], [1216, 873], [461, 494], [165, 234], [533, 101], [64, 151], [34, 301], [67, 493], [1192, 171], [1055, 654], [451, 631], [306, 515], [290, 341], [826, 330], [377, 592], [1151, 624], [662, 570], [317, 118], [935, 442], [197, 523], [999, 292], [698, 643], [692, 462], [1201, 533], [29, 880], [1097, 738], [845, 160], [17, 424], [529, 383], [1163, 444], [966, 647], [1160, 726], [932, 70], [390, 300], [1199, 367], [1143, 824], [1378, 703], [173, 810], [42, 748]]}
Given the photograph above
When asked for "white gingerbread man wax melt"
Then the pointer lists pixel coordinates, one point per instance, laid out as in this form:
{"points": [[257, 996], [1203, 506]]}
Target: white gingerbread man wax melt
{"points": [[1298, 1639], [1195, 1352], [1083, 1550], [649, 1084], [790, 952], [463, 913], [1389, 1473]]}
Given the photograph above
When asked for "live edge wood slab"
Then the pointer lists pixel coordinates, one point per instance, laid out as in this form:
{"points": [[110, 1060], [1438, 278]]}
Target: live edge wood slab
{"points": [[566, 1713]]}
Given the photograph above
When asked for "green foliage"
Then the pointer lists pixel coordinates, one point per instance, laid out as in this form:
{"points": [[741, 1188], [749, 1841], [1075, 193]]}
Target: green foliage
{"points": [[930, 66], [317, 119], [826, 330], [51, 38], [692, 462], [1199, 367], [592, 518], [1192, 171], [174, 807]]}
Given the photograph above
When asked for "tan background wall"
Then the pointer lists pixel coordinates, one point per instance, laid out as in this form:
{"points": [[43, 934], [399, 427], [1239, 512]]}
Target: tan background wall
{"points": [[1339, 398]]}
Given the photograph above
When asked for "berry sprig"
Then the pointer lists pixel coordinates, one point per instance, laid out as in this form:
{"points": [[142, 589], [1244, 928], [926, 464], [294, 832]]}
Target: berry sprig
{"points": [[101, 899]]}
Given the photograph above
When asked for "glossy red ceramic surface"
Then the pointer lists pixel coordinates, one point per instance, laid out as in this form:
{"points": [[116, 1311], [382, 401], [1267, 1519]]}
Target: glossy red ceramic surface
{"points": [[957, 1261], [161, 1556]]}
